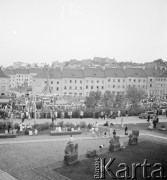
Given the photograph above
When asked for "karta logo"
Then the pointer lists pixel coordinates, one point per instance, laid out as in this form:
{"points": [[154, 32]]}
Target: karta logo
{"points": [[104, 168]]}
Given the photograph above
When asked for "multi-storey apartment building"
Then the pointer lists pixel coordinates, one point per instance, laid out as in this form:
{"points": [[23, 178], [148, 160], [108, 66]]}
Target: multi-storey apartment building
{"points": [[53, 76], [136, 77], [152, 74], [11, 73], [4, 83], [94, 80], [72, 82], [79, 82], [115, 80], [21, 76], [33, 72], [161, 86]]}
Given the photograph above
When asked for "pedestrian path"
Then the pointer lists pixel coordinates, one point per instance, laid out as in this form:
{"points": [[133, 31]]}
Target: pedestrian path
{"points": [[46, 139]]}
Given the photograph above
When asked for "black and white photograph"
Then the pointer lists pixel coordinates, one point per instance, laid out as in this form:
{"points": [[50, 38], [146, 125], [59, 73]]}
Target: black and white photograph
{"points": [[83, 89]]}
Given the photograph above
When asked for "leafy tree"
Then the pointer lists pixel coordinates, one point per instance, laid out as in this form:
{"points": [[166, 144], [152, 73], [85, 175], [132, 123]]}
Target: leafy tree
{"points": [[93, 99], [107, 99], [120, 100], [135, 95]]}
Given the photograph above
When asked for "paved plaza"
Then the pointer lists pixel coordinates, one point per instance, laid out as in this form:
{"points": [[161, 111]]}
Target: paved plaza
{"points": [[20, 157]]}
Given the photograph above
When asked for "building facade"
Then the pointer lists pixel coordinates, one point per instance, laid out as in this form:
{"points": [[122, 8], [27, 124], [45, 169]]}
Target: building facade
{"points": [[80, 82], [21, 76], [161, 86], [4, 83]]}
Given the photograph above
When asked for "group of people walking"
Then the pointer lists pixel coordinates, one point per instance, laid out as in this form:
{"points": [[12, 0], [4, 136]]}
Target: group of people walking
{"points": [[153, 121]]}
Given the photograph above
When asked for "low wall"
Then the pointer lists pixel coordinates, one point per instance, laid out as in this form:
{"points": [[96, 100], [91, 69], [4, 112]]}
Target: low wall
{"points": [[55, 133], [7, 136]]}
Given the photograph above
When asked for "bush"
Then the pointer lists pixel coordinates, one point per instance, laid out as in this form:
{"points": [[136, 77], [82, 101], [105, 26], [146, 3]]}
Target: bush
{"points": [[82, 124], [61, 124], [35, 126], [67, 124], [88, 113], [16, 125], [2, 125], [76, 113], [43, 127], [106, 124], [135, 111]]}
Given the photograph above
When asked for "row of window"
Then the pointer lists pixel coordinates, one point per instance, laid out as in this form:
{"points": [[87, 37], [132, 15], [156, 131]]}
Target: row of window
{"points": [[114, 86], [75, 81], [75, 94], [160, 84], [135, 80], [70, 87], [97, 81], [97, 87], [114, 80], [57, 88], [139, 86], [52, 82], [21, 76], [22, 80], [160, 79]]}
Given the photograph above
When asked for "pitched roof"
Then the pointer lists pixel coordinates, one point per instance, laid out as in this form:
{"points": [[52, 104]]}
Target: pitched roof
{"points": [[135, 72], [94, 72], [152, 72], [2, 74], [21, 71], [34, 70], [55, 73], [9, 71], [163, 74], [114, 72], [51, 73], [72, 73]]}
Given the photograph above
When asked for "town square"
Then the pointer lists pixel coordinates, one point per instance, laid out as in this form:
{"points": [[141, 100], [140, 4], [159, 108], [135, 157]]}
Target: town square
{"points": [[83, 89]]}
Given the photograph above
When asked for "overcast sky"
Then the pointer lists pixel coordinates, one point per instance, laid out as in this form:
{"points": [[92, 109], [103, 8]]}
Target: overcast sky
{"points": [[49, 30]]}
